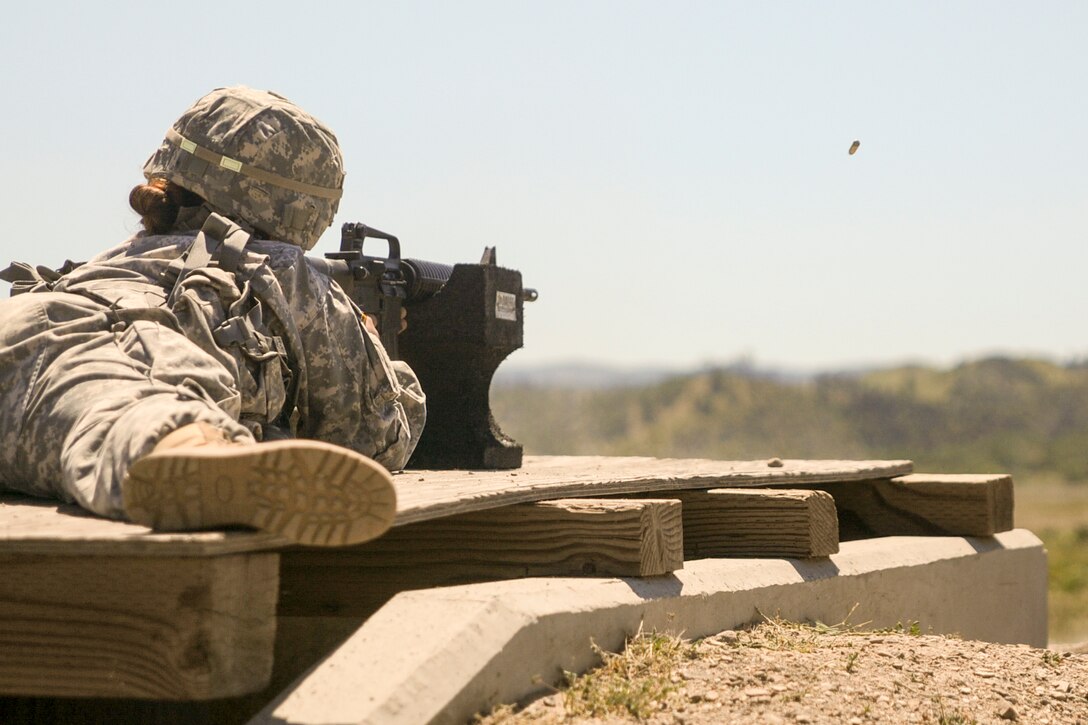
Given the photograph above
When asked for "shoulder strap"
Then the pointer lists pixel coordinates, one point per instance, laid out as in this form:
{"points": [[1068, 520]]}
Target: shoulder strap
{"points": [[229, 238], [219, 243]]}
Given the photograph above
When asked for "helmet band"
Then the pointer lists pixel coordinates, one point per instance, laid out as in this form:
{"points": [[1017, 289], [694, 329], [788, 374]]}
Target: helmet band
{"points": [[252, 172]]}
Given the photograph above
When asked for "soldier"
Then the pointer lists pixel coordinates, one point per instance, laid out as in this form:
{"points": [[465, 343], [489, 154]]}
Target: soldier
{"points": [[202, 374]]}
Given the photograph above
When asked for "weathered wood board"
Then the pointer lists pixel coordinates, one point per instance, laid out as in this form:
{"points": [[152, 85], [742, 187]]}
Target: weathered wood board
{"points": [[181, 628], [924, 504], [766, 522], [32, 525], [759, 522], [93, 607], [423, 495], [36, 526], [300, 643], [567, 537]]}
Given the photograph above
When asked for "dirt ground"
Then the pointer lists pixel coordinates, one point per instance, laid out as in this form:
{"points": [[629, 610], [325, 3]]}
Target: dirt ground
{"points": [[777, 672]]}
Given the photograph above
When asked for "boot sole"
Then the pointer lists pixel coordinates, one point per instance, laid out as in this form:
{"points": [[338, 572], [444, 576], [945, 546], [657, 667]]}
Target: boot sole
{"points": [[312, 493]]}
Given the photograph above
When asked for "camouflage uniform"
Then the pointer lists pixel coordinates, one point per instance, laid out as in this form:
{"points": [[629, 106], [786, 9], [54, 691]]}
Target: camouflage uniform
{"points": [[95, 373], [103, 363]]}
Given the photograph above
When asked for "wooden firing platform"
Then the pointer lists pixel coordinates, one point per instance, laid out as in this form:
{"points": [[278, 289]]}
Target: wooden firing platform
{"points": [[423, 495], [96, 608]]}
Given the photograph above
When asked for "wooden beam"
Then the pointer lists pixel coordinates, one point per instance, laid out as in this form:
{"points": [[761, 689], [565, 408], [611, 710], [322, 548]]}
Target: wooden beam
{"points": [[759, 522], [300, 643], [171, 628], [924, 504], [592, 537]]}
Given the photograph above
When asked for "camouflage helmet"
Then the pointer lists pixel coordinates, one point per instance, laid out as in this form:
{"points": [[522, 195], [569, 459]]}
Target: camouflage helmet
{"points": [[257, 158]]}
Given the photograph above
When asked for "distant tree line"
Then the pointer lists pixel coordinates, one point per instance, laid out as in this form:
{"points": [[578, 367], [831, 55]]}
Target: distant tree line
{"points": [[1025, 417]]}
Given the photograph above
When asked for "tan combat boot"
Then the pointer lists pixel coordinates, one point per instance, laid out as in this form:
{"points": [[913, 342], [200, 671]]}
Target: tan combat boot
{"points": [[312, 493]]}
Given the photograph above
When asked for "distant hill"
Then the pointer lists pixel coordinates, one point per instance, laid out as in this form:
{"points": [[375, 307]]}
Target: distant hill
{"points": [[590, 375], [579, 375], [1026, 417]]}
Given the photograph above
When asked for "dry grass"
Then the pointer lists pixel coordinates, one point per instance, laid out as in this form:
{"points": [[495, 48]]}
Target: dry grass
{"points": [[641, 680], [1058, 514], [635, 681]]}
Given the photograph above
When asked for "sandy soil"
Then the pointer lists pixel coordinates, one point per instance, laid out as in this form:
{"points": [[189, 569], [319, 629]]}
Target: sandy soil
{"points": [[777, 673]]}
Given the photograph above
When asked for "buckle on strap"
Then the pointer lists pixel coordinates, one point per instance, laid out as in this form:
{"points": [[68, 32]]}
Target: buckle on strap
{"points": [[231, 238], [127, 315], [257, 346]]}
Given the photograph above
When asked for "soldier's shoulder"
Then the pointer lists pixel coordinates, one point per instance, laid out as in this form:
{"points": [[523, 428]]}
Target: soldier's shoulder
{"points": [[148, 245], [279, 254]]}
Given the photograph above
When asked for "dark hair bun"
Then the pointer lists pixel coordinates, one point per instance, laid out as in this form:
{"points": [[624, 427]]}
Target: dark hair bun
{"points": [[158, 202]]}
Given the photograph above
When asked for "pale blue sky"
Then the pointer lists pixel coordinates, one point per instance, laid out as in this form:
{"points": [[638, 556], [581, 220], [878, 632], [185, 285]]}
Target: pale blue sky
{"points": [[673, 177]]}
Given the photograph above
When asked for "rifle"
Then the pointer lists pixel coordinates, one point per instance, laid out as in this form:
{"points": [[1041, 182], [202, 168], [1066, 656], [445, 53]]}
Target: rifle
{"points": [[465, 319]]}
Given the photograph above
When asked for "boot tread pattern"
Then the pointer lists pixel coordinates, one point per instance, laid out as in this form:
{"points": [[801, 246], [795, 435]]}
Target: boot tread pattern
{"points": [[310, 492]]}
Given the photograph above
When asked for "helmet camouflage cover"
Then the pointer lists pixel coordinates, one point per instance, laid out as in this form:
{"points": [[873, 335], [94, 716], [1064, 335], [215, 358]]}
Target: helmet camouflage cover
{"points": [[257, 158]]}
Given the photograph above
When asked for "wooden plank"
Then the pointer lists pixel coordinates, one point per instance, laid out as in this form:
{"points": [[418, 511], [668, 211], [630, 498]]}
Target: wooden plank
{"points": [[756, 522], [37, 526], [554, 538], [924, 505], [300, 643], [190, 628], [423, 495]]}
